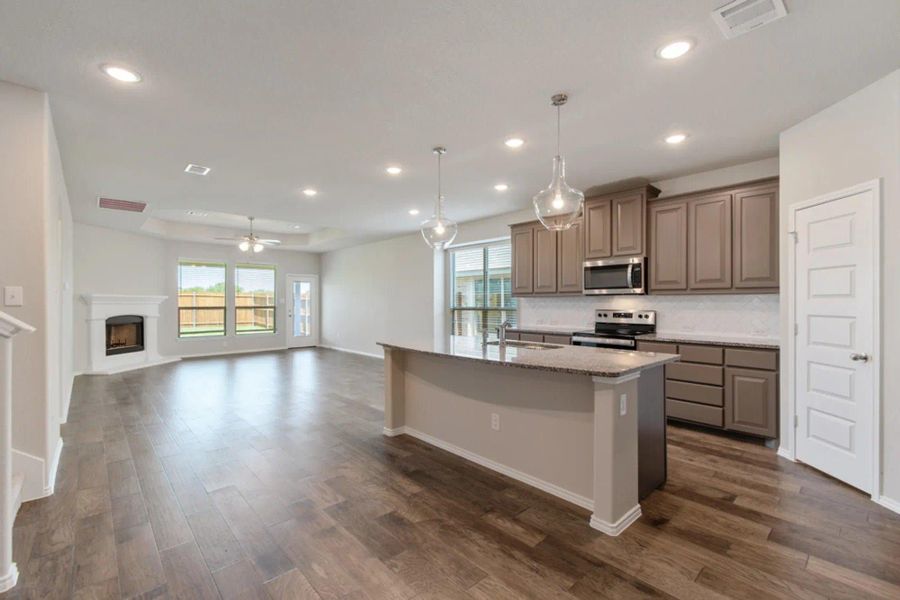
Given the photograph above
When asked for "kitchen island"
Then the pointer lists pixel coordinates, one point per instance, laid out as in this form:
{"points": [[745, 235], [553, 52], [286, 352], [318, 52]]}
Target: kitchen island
{"points": [[584, 424]]}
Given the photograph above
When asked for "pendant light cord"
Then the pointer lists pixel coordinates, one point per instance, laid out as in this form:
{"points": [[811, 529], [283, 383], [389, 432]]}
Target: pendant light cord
{"points": [[439, 199], [557, 130]]}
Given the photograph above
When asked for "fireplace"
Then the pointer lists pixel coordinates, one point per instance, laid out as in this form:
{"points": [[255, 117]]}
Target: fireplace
{"points": [[124, 334]]}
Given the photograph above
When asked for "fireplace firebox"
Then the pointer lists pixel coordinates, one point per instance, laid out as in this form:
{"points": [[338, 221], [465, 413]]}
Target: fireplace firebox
{"points": [[124, 334]]}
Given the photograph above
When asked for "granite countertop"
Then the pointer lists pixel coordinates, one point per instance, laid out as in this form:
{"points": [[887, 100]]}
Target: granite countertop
{"points": [[578, 360], [713, 340]]}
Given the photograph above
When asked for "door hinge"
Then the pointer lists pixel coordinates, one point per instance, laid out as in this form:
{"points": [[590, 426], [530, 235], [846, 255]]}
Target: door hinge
{"points": [[796, 421], [794, 235], [796, 328]]}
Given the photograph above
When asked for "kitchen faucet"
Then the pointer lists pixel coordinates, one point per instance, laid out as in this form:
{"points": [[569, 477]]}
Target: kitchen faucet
{"points": [[501, 331]]}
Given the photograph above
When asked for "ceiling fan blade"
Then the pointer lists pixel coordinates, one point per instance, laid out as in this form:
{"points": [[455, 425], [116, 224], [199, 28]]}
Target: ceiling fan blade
{"points": [[269, 242], [230, 239]]}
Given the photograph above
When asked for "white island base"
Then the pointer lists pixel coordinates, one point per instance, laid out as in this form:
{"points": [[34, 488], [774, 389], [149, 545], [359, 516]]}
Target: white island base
{"points": [[572, 435]]}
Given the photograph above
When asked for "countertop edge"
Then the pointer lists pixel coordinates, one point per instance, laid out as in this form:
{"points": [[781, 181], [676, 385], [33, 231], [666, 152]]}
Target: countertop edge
{"points": [[690, 339], [610, 374]]}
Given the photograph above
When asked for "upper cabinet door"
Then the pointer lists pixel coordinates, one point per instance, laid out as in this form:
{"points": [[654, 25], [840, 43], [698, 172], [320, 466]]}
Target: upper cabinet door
{"points": [[598, 228], [544, 260], [628, 224], [522, 260], [668, 245], [709, 248], [570, 267], [756, 237]]}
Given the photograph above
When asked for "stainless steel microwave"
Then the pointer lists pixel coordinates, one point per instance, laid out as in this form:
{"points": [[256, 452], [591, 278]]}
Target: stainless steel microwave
{"points": [[611, 276]]}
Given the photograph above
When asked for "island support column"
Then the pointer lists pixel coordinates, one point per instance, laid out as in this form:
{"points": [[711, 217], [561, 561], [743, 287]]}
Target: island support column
{"points": [[394, 400], [615, 453]]}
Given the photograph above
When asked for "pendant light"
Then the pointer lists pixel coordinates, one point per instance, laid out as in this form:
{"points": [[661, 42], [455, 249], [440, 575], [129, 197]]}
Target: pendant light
{"points": [[439, 231], [558, 205]]}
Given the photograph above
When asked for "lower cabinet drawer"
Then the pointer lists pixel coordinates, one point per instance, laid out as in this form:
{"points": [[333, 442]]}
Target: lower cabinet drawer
{"points": [[694, 373], [531, 337], [558, 339], [695, 392], [752, 359], [697, 413], [657, 347], [710, 355]]}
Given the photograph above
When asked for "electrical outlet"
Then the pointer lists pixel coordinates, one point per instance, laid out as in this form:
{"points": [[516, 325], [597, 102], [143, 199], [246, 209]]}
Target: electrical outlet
{"points": [[623, 405], [13, 295], [495, 421]]}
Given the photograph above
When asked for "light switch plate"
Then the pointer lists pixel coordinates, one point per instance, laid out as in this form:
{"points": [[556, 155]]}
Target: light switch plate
{"points": [[623, 405], [13, 295]]}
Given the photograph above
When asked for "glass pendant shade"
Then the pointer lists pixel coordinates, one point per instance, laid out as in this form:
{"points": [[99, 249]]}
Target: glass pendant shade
{"points": [[558, 205], [257, 247], [244, 246], [439, 231]]}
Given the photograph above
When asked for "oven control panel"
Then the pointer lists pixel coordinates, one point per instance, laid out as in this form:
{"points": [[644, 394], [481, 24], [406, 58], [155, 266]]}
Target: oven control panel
{"points": [[642, 317]]}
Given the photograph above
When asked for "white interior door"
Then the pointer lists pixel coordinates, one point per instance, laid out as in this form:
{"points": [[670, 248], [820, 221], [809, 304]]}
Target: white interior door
{"points": [[303, 310], [835, 286]]}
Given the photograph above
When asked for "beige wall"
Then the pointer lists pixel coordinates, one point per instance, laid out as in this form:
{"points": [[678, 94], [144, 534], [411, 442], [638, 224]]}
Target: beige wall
{"points": [[35, 238], [108, 261], [851, 142]]}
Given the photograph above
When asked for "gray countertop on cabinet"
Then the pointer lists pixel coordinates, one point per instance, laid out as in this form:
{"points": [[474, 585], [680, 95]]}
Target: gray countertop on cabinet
{"points": [[763, 343], [549, 329], [578, 360]]}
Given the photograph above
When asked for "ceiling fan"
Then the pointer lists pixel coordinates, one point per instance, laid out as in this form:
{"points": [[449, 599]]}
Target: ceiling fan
{"points": [[251, 241]]}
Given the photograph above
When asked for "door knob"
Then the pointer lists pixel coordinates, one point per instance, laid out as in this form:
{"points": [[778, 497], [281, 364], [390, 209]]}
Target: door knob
{"points": [[859, 357]]}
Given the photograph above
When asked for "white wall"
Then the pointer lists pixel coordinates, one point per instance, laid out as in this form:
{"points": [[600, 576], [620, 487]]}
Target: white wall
{"points": [[108, 261], [35, 240], [853, 141], [383, 290]]}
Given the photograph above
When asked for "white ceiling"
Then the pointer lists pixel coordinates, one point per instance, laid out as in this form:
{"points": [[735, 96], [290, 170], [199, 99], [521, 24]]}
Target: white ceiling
{"points": [[276, 96]]}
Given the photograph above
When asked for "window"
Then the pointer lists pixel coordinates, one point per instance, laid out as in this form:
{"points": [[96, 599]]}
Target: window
{"points": [[481, 288], [201, 299], [254, 299]]}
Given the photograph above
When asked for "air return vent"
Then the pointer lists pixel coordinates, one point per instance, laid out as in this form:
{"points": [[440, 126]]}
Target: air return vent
{"points": [[740, 16], [127, 205]]}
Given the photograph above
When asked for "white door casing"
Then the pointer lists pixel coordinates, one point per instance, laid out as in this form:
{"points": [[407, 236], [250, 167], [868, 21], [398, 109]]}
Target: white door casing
{"points": [[303, 310], [835, 314]]}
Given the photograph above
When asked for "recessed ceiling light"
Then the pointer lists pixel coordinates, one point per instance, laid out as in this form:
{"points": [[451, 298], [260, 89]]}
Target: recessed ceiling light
{"points": [[296, 227], [674, 50], [121, 73], [676, 138], [393, 170], [501, 187], [414, 211], [196, 169], [514, 142], [310, 192]]}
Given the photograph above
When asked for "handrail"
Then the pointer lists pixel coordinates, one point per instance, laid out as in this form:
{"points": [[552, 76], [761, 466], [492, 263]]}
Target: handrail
{"points": [[10, 326]]}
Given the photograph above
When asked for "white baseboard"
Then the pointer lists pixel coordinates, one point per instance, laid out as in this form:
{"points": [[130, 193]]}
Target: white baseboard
{"points": [[349, 351], [540, 484], [134, 367], [228, 352], [784, 452], [392, 432], [50, 484], [8, 580], [619, 526], [888, 503], [32, 470]]}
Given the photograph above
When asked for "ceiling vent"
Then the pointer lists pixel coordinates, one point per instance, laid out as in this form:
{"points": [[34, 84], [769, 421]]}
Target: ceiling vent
{"points": [[740, 16], [127, 205], [196, 169]]}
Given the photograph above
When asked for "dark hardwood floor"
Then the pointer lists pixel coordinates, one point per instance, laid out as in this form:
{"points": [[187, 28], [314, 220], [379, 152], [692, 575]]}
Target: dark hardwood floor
{"points": [[266, 476]]}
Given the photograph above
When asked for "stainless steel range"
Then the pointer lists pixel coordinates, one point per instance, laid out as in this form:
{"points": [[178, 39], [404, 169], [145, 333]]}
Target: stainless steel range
{"points": [[617, 329]]}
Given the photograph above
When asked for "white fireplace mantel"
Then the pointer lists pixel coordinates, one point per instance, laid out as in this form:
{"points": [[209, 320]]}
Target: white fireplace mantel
{"points": [[104, 306]]}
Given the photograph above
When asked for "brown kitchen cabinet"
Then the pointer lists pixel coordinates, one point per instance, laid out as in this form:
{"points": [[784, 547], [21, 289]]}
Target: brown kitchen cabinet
{"points": [[522, 245], [751, 401], [709, 242], [547, 262], [725, 387], [715, 241], [755, 226], [615, 223], [570, 259], [668, 246]]}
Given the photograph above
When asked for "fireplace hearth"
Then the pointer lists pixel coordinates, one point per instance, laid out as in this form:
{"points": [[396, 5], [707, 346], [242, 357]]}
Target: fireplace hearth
{"points": [[124, 334]]}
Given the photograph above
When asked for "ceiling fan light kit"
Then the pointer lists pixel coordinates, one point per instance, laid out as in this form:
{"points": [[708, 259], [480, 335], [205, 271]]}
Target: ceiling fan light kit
{"points": [[251, 241]]}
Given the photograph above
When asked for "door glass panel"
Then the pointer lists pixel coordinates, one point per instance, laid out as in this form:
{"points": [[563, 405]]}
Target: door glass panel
{"points": [[302, 308]]}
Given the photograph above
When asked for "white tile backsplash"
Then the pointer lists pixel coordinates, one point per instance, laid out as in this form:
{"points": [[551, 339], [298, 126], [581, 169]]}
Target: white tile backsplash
{"points": [[754, 315]]}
